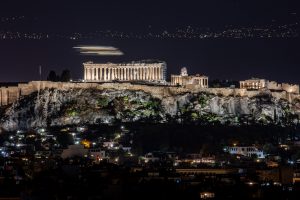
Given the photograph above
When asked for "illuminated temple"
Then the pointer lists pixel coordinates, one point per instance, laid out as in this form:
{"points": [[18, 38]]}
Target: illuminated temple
{"points": [[150, 71], [184, 79]]}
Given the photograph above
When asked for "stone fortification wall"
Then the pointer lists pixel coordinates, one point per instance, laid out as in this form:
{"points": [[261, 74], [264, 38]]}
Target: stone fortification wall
{"points": [[272, 85], [8, 95], [290, 88]]}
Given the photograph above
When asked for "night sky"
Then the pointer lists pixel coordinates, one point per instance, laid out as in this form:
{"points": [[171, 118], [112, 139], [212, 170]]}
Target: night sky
{"points": [[226, 39]]}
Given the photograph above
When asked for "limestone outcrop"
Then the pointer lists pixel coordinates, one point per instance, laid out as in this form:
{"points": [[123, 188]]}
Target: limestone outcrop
{"points": [[78, 106]]}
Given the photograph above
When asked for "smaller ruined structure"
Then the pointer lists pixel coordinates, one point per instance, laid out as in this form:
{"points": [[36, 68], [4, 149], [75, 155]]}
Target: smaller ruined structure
{"points": [[260, 84], [184, 79]]}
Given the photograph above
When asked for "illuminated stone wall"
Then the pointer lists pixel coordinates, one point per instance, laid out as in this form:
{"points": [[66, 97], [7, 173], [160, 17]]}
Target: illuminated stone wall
{"points": [[9, 95]]}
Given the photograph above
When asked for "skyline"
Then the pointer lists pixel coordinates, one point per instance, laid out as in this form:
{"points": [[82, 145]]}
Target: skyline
{"points": [[232, 40]]}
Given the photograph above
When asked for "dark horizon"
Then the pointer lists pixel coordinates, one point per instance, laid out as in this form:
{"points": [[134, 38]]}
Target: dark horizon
{"points": [[232, 40]]}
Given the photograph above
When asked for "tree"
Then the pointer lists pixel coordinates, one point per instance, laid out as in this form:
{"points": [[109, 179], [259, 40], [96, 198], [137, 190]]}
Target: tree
{"points": [[52, 76], [65, 76]]}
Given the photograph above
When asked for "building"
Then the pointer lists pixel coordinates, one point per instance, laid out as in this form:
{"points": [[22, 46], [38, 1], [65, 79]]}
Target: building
{"points": [[74, 150], [207, 195], [254, 83], [184, 79], [79, 150], [258, 84], [296, 177], [246, 151], [149, 71]]}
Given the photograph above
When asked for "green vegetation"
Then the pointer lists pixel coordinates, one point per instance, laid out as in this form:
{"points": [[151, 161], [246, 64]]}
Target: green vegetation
{"points": [[194, 116], [71, 112], [202, 99], [103, 102], [152, 104], [139, 108]]}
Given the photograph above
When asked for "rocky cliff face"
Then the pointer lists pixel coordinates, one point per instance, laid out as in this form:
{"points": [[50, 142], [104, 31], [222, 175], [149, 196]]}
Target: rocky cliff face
{"points": [[53, 107]]}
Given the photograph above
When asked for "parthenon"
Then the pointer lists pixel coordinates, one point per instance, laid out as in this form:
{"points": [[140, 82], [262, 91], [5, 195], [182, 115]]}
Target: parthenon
{"points": [[152, 71]]}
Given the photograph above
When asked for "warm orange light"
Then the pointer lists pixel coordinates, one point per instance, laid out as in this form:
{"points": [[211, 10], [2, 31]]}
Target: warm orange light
{"points": [[86, 143]]}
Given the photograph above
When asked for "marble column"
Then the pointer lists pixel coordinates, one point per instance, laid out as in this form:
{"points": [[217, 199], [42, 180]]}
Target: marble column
{"points": [[100, 74], [97, 75], [152, 73], [159, 75], [111, 74], [148, 74], [129, 73], [138, 73], [101, 78], [125, 74], [133, 73], [104, 73], [122, 74], [93, 73]]}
